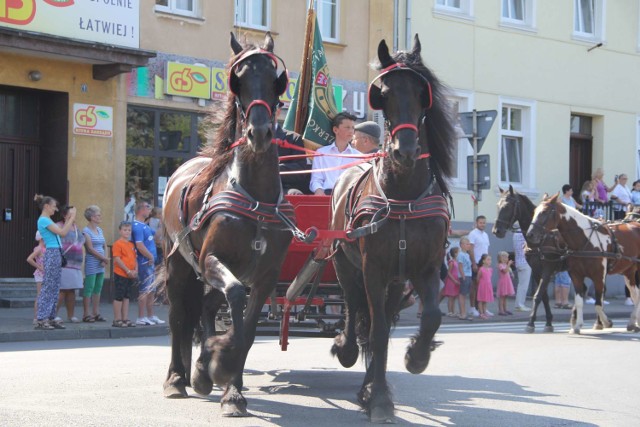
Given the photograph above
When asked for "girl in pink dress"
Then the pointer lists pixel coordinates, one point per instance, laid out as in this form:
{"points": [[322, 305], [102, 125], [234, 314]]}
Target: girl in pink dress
{"points": [[505, 285], [485, 287], [451, 288]]}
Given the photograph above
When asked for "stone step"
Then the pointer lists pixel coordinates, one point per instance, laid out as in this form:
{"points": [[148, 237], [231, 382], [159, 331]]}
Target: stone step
{"points": [[18, 291], [22, 302]]}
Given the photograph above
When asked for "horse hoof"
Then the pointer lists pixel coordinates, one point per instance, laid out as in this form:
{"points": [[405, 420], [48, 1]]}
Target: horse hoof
{"points": [[598, 327], [530, 329], [574, 331], [234, 410], [347, 355], [633, 328], [382, 415], [415, 365], [201, 382], [175, 391], [610, 324], [175, 387], [548, 328]]}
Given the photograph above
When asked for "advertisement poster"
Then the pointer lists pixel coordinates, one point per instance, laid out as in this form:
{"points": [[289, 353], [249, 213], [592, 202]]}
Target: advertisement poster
{"points": [[93, 120], [114, 22]]}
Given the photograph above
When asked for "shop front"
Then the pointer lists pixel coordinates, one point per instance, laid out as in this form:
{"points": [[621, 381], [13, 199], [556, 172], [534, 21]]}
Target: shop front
{"points": [[62, 113]]}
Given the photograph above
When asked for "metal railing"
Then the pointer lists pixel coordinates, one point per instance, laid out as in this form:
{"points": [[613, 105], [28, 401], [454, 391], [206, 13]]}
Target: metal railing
{"points": [[609, 211]]}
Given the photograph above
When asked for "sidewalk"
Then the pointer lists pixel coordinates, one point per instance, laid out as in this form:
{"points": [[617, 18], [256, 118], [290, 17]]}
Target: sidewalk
{"points": [[15, 323]]}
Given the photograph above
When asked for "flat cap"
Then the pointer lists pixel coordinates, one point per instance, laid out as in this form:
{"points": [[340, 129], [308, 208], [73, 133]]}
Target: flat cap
{"points": [[370, 128]]}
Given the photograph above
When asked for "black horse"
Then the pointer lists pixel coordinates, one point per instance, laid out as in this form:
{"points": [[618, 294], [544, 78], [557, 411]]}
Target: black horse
{"points": [[396, 220], [545, 258], [225, 230]]}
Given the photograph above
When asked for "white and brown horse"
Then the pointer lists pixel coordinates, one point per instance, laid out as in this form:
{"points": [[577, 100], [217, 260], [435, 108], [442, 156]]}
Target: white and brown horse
{"points": [[596, 249]]}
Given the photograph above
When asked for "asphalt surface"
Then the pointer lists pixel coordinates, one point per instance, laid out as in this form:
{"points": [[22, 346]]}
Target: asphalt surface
{"points": [[16, 323]]}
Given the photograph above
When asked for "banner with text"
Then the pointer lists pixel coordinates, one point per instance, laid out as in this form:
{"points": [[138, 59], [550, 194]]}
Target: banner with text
{"points": [[104, 21], [93, 120]]}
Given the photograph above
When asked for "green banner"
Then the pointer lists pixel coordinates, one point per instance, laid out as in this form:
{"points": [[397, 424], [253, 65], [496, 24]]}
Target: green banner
{"points": [[322, 103]]}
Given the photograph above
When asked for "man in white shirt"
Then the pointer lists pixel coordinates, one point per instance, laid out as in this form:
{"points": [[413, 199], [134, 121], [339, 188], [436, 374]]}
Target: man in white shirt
{"points": [[479, 240], [621, 196], [323, 181]]}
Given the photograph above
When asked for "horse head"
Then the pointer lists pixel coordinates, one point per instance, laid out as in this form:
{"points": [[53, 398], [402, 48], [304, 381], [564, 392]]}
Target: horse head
{"points": [[508, 210], [404, 96], [546, 218], [256, 85]]}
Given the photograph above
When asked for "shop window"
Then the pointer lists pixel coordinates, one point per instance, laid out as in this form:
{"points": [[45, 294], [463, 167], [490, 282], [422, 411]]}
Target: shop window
{"points": [[158, 142]]}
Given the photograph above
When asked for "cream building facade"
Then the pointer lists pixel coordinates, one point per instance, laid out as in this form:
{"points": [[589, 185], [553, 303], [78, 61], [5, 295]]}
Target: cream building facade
{"points": [[562, 76]]}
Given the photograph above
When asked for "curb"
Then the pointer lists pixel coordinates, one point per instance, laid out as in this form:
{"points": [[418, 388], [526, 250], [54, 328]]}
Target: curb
{"points": [[80, 334]]}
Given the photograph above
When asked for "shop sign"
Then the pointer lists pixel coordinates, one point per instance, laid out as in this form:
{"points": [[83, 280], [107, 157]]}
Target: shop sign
{"points": [[113, 22], [188, 80], [93, 120]]}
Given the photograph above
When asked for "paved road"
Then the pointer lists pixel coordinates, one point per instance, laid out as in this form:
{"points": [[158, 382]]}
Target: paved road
{"points": [[488, 374]]}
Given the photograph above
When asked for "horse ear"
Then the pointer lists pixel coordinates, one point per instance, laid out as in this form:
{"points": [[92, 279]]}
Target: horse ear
{"points": [[383, 54], [500, 190], [545, 196], [555, 197], [375, 98], [268, 42], [417, 47], [235, 46], [282, 82], [510, 189]]}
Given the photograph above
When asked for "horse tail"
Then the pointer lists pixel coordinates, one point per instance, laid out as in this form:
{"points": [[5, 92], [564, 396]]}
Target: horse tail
{"points": [[159, 284]]}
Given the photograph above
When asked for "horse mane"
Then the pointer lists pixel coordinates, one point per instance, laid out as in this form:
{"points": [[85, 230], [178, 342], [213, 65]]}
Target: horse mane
{"points": [[224, 122], [438, 125]]}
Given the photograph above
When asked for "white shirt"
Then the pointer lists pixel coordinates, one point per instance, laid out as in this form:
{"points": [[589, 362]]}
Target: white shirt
{"points": [[480, 241], [327, 180], [623, 195], [519, 243]]}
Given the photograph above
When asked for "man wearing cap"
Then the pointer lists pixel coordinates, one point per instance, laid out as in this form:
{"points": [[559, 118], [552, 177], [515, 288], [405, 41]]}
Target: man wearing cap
{"points": [[366, 138], [295, 183], [326, 169]]}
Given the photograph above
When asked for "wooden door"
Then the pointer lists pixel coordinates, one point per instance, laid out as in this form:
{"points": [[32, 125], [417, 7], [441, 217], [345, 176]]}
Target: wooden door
{"points": [[580, 166], [18, 183]]}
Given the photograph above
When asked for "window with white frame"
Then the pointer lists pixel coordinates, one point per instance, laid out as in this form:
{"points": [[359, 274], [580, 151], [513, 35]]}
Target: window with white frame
{"points": [[179, 7], [461, 102], [329, 19], [518, 12], [515, 144], [454, 7], [588, 19], [253, 13]]}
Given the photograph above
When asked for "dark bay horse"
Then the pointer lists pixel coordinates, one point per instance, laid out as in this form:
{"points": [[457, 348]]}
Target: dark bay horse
{"points": [[222, 214], [595, 249], [545, 258], [397, 219]]}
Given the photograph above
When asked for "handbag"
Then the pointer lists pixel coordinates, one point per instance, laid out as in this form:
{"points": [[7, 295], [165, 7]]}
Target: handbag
{"points": [[63, 261]]}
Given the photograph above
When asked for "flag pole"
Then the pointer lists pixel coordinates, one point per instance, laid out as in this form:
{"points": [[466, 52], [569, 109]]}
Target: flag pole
{"points": [[304, 81]]}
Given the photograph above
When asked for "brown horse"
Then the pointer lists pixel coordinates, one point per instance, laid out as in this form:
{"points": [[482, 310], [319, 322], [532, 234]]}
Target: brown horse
{"points": [[596, 249], [545, 259], [396, 220], [224, 228]]}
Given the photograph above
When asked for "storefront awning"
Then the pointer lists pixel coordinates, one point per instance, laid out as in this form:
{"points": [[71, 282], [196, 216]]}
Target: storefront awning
{"points": [[108, 60]]}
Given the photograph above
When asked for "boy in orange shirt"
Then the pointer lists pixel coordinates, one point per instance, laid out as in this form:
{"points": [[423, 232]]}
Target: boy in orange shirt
{"points": [[125, 271]]}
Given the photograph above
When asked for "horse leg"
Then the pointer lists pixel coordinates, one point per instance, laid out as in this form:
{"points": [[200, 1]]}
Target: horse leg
{"points": [[577, 313], [601, 319], [634, 292], [201, 381], [419, 351], [345, 345], [380, 407], [233, 402], [183, 292], [226, 351], [544, 286], [531, 325]]}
